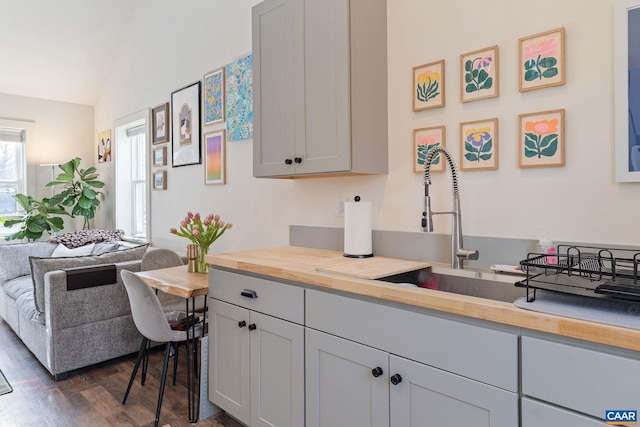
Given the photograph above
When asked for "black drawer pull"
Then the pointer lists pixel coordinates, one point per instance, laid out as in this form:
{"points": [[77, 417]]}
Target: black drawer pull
{"points": [[252, 327], [249, 293], [242, 324]]}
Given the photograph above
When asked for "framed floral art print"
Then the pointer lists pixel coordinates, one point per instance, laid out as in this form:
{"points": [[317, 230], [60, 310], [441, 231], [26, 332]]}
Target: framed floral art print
{"points": [[479, 145], [541, 60], [428, 86], [541, 139], [425, 139], [479, 74]]}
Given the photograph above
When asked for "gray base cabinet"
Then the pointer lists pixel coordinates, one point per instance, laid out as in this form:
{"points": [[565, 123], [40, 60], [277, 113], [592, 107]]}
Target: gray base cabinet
{"points": [[340, 387], [431, 397], [256, 360], [538, 414]]}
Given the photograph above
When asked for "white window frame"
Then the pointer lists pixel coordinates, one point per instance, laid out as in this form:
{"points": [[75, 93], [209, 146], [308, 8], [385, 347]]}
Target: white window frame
{"points": [[126, 216], [27, 185]]}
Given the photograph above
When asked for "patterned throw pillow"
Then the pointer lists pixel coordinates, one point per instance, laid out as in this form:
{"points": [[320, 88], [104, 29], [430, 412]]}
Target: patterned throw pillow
{"points": [[79, 238]]}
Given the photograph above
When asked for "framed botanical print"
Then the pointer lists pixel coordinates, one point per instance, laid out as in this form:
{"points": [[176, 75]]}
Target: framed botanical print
{"points": [[160, 156], [425, 139], [160, 124], [185, 123], [541, 60], [479, 144], [160, 180], [541, 139], [428, 86], [479, 74]]}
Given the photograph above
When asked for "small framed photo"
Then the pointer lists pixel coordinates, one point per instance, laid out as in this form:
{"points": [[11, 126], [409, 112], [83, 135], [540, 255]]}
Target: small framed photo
{"points": [[160, 180], [213, 94], [479, 145], [428, 86], [541, 139], [214, 158], [541, 60], [479, 74], [160, 123], [160, 156], [425, 139], [185, 125]]}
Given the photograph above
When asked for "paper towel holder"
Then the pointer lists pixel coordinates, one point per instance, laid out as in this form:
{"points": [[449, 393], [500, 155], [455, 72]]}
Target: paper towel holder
{"points": [[348, 255]]}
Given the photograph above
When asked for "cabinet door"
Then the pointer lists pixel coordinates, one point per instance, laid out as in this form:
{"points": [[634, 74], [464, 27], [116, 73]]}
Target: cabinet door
{"points": [[430, 397], [327, 143], [277, 372], [340, 387], [278, 88], [229, 359], [538, 414]]}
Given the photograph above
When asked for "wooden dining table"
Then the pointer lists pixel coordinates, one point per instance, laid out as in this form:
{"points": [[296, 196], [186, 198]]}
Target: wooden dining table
{"points": [[182, 283]]}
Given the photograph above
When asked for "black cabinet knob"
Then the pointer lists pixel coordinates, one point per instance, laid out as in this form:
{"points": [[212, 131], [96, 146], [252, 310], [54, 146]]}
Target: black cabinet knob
{"points": [[377, 371], [242, 324], [252, 327], [288, 161], [396, 379], [298, 160]]}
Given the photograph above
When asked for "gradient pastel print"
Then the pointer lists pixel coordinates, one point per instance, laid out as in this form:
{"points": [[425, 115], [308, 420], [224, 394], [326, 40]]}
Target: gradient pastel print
{"points": [[214, 144]]}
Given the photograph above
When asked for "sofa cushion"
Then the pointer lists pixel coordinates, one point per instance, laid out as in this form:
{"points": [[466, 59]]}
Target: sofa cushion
{"points": [[26, 306], [14, 258], [79, 238], [61, 250], [41, 266], [18, 286], [104, 247]]}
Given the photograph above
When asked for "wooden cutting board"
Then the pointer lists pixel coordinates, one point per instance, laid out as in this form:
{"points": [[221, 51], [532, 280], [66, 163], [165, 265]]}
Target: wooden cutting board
{"points": [[372, 268]]}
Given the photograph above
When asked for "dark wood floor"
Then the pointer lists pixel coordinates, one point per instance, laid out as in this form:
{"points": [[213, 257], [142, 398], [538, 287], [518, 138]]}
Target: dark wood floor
{"points": [[91, 397]]}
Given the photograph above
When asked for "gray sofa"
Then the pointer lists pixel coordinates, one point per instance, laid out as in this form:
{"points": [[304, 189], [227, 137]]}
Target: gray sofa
{"points": [[72, 312]]}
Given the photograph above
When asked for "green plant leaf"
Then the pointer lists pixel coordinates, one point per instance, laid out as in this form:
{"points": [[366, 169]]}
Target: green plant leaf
{"points": [[84, 202], [470, 88], [468, 65], [475, 73], [485, 156], [551, 72], [472, 157], [55, 223], [24, 201], [548, 62], [548, 140], [487, 84], [531, 75], [486, 148], [482, 76], [468, 78], [529, 64], [550, 151], [95, 184], [470, 147], [85, 173], [528, 152]]}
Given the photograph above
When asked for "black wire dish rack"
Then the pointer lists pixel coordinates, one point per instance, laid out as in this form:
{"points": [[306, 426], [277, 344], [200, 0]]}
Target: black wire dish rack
{"points": [[584, 270]]}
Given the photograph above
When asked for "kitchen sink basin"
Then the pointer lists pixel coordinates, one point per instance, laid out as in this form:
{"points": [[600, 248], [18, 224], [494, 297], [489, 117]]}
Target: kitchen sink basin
{"points": [[474, 282]]}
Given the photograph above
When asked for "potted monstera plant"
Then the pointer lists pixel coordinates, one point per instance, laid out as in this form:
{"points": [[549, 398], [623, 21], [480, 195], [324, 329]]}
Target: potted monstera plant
{"points": [[80, 190]]}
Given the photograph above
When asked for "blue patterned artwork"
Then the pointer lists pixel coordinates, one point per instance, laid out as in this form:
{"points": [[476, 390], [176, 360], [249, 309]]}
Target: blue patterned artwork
{"points": [[239, 99]]}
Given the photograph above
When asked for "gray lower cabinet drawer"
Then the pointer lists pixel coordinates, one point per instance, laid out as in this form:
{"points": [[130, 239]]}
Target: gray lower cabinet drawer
{"points": [[538, 414], [580, 379], [477, 352], [265, 296]]}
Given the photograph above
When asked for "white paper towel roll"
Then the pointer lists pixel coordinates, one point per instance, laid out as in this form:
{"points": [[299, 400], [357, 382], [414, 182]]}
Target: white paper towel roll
{"points": [[357, 230]]}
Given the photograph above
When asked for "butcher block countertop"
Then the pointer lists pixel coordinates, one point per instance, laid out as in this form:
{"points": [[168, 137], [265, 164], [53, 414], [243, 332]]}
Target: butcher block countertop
{"points": [[312, 266]]}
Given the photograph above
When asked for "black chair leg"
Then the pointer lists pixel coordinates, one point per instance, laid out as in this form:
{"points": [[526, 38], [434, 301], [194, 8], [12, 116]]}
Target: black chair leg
{"points": [[141, 352], [145, 363], [176, 347], [165, 365]]}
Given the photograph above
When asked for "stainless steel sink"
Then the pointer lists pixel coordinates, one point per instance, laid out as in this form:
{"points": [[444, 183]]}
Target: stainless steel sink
{"points": [[475, 282]]}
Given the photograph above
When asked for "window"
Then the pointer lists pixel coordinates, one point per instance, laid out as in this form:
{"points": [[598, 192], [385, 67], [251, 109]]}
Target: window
{"points": [[131, 176], [13, 170]]}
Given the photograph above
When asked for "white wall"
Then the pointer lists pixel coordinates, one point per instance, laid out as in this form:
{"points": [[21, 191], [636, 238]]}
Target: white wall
{"points": [[579, 202], [62, 131]]}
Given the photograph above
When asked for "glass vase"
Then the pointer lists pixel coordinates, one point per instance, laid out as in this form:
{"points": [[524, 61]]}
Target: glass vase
{"points": [[202, 266]]}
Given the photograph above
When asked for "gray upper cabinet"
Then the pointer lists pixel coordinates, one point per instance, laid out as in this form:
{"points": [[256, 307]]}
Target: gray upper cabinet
{"points": [[320, 87]]}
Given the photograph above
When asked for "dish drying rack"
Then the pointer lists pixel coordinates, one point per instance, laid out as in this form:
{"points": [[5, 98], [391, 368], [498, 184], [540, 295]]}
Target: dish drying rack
{"points": [[584, 270]]}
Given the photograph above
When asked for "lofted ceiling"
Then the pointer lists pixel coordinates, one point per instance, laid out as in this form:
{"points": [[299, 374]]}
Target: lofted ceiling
{"points": [[60, 50]]}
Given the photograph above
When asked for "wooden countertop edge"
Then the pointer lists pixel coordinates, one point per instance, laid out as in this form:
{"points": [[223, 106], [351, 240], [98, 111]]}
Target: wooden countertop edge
{"points": [[479, 308]]}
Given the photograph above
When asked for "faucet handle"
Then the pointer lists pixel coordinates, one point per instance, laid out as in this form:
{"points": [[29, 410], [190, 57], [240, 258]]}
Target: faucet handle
{"points": [[471, 254]]}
